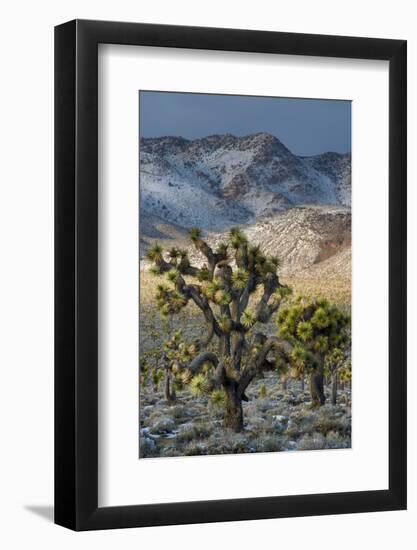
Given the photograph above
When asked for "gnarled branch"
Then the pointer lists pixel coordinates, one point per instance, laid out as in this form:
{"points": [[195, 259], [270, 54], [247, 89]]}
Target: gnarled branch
{"points": [[218, 376], [205, 357], [259, 361]]}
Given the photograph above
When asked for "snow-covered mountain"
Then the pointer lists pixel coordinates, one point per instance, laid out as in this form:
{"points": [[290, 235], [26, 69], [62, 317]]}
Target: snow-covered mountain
{"points": [[306, 239], [222, 180], [338, 168]]}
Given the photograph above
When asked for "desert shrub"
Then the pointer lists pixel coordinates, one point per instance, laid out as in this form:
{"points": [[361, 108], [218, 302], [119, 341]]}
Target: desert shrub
{"points": [[240, 444], [171, 451], [163, 425], [329, 420], [269, 443], [154, 416], [195, 448], [193, 431], [147, 447], [335, 441], [264, 405], [311, 442], [178, 412], [255, 423]]}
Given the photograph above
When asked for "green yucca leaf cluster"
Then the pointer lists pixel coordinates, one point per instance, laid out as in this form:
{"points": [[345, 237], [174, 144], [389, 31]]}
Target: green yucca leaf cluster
{"points": [[174, 341], [195, 234], [265, 267], [298, 354], [173, 275], [186, 352], [237, 238], [156, 376], [248, 318], [210, 288], [155, 271], [221, 251], [315, 328], [201, 385], [222, 298], [154, 253], [178, 354], [304, 331], [225, 323], [214, 290], [336, 356], [320, 318], [174, 253], [169, 301], [335, 360], [254, 251], [218, 398], [240, 277], [321, 344], [283, 292], [274, 260], [204, 274], [345, 372]]}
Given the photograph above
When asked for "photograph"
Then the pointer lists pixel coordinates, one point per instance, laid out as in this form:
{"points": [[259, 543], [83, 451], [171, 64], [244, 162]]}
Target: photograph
{"points": [[245, 274], [208, 238]]}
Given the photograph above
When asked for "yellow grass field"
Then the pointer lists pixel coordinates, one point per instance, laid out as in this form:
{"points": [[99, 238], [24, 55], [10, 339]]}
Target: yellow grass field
{"points": [[336, 290]]}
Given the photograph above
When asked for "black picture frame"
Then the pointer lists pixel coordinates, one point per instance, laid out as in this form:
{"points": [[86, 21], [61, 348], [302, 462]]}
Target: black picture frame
{"points": [[76, 272]]}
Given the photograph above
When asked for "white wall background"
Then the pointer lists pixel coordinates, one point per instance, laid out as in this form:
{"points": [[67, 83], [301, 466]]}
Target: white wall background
{"points": [[26, 272]]}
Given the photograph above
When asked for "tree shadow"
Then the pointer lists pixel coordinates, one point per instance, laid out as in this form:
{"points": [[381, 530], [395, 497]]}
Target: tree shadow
{"points": [[45, 512]]}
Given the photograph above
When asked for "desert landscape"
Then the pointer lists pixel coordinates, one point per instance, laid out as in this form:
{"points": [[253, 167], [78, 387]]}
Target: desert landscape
{"points": [[291, 216]]}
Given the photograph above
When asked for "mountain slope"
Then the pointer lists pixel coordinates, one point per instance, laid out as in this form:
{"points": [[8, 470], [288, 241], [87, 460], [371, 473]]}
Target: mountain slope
{"points": [[338, 168], [311, 241], [223, 180]]}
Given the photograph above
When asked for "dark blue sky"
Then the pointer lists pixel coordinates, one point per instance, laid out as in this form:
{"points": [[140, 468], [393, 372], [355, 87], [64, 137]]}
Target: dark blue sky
{"points": [[305, 126]]}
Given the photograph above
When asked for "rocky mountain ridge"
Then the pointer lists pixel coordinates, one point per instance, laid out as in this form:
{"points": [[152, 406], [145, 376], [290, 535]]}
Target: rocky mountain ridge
{"points": [[309, 241], [223, 180]]}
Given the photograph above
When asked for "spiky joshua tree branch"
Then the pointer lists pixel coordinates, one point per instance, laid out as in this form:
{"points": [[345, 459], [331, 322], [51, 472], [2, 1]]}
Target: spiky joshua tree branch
{"points": [[236, 290]]}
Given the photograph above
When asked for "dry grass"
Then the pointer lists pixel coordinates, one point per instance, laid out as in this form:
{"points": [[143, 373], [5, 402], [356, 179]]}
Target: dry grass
{"points": [[337, 290], [271, 424], [275, 419]]}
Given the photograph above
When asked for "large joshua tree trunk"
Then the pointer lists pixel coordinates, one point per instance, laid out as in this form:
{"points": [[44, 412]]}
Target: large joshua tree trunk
{"points": [[233, 417], [316, 388]]}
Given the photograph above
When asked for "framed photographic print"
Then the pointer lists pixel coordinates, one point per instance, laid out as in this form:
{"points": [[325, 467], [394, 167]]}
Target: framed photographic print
{"points": [[230, 253]]}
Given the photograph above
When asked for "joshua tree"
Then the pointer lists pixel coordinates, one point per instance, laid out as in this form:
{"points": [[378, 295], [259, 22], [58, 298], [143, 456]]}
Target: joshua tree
{"points": [[156, 377], [169, 389], [234, 292], [176, 352], [315, 329], [345, 373], [334, 361]]}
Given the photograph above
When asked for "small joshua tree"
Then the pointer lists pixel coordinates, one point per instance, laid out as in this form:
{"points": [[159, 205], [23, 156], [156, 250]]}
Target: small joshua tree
{"points": [[156, 377], [345, 373], [333, 363], [176, 353], [316, 329], [234, 291]]}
